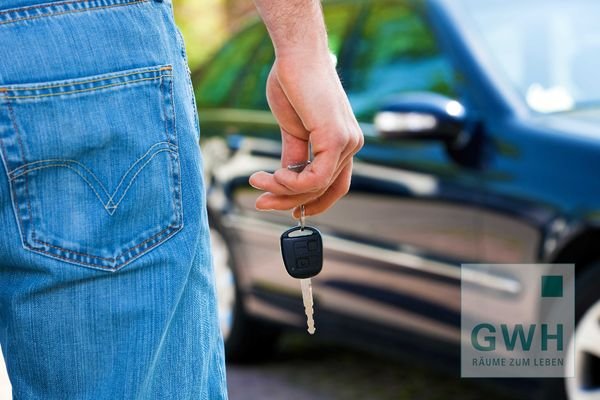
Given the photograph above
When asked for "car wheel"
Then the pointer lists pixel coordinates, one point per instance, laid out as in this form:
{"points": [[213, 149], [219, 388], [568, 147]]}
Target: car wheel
{"points": [[586, 382], [585, 385], [246, 338]]}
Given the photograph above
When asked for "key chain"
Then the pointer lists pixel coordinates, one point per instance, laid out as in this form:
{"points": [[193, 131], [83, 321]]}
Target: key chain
{"points": [[301, 222], [302, 252]]}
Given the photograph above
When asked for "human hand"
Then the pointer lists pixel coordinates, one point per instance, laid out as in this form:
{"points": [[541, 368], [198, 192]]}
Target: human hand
{"points": [[309, 103]]}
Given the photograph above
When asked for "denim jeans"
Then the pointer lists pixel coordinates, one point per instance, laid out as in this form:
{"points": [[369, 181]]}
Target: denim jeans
{"points": [[106, 281]]}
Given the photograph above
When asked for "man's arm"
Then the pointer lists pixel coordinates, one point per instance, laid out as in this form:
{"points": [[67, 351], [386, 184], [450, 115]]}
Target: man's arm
{"points": [[309, 103]]}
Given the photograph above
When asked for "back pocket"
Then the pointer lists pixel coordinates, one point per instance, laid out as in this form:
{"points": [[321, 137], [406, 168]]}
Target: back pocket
{"points": [[93, 165]]}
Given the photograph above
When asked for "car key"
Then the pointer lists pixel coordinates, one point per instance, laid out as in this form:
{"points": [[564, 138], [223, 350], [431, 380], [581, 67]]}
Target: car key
{"points": [[302, 251]]}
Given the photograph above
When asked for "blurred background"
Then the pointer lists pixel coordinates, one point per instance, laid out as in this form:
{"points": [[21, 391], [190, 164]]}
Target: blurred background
{"points": [[471, 111], [207, 24]]}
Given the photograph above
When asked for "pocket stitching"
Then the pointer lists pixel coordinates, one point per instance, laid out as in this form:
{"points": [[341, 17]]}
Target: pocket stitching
{"points": [[109, 205], [174, 228], [175, 156], [13, 120], [162, 107], [16, 203], [77, 172], [129, 250], [115, 205]]}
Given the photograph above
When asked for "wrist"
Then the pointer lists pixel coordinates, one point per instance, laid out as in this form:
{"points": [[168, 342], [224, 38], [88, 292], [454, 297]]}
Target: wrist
{"points": [[305, 60], [306, 47]]}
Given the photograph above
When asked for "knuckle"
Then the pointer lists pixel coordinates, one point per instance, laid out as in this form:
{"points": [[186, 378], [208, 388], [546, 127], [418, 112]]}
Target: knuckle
{"points": [[361, 140], [358, 141], [340, 140]]}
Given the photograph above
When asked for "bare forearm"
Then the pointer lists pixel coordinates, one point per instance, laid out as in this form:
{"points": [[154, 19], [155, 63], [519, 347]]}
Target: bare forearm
{"points": [[296, 27], [309, 103]]}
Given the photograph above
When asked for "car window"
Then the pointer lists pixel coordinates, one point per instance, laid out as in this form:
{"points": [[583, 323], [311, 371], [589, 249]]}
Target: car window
{"points": [[220, 76], [395, 51]]}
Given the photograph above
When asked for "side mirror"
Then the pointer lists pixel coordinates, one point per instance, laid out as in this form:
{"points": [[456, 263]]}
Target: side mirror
{"points": [[421, 116]]}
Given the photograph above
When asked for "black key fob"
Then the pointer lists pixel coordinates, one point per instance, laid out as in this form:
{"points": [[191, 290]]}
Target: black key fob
{"points": [[302, 251]]}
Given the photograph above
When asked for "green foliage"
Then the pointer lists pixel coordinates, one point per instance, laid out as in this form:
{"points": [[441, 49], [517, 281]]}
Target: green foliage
{"points": [[206, 24]]}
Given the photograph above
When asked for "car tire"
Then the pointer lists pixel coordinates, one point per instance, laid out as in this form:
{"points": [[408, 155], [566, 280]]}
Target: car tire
{"points": [[587, 336], [587, 364], [246, 338]]}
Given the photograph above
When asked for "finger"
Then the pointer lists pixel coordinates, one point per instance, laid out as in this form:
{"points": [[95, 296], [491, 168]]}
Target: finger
{"points": [[265, 181], [316, 176], [270, 201], [273, 201], [336, 191]]}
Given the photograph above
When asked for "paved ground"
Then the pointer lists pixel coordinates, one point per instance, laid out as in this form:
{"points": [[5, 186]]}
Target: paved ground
{"points": [[305, 369]]}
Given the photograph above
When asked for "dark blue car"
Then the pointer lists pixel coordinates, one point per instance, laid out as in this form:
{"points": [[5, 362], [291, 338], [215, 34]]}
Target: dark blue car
{"points": [[481, 120]]}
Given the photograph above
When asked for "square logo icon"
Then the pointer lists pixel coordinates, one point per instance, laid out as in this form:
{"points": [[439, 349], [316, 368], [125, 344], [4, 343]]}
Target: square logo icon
{"points": [[517, 320], [552, 285]]}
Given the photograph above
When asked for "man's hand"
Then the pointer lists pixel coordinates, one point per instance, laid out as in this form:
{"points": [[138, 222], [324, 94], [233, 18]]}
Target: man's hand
{"points": [[309, 103]]}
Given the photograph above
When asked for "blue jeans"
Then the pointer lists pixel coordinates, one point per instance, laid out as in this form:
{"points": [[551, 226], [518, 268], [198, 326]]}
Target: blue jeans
{"points": [[106, 281]]}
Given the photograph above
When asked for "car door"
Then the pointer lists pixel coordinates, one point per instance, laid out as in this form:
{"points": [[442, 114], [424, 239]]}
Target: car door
{"points": [[395, 243]]}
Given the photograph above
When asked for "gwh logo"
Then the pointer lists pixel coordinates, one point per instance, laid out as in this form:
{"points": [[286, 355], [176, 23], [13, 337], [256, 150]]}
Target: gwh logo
{"points": [[522, 331], [488, 338]]}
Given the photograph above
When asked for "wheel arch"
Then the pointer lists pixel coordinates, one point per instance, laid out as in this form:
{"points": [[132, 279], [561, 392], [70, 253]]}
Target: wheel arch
{"points": [[582, 249]]}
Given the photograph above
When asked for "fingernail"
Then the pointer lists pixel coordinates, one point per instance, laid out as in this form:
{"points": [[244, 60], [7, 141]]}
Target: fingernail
{"points": [[254, 185]]}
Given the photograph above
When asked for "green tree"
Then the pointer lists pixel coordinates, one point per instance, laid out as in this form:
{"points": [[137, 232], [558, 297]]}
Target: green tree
{"points": [[206, 24]]}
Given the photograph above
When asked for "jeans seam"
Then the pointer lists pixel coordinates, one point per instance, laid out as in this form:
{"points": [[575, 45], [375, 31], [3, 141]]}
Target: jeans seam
{"points": [[73, 82], [122, 255], [14, 197], [50, 14], [61, 3], [164, 114], [13, 120], [176, 162], [86, 90], [188, 77]]}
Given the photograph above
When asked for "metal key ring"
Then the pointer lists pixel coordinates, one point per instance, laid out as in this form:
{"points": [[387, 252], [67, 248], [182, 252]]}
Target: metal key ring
{"points": [[302, 217], [299, 167]]}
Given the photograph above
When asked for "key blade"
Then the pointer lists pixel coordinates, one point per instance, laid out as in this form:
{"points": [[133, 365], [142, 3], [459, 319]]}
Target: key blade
{"points": [[307, 299]]}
